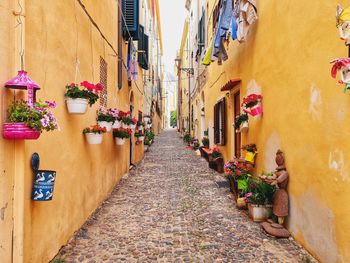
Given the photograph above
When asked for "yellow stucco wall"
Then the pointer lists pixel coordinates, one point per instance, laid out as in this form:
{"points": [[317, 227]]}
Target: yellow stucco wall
{"points": [[306, 115], [56, 32]]}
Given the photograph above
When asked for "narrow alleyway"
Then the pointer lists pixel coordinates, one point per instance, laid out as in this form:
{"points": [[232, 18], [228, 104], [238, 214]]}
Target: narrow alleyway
{"points": [[171, 209]]}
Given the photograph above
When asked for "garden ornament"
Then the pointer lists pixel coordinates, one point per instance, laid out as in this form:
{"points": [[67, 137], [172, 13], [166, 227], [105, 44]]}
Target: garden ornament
{"points": [[343, 23], [280, 200], [342, 65]]}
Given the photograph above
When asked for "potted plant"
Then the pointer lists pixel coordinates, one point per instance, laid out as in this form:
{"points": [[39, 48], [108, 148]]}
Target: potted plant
{"points": [[105, 118], [149, 137], [149, 124], [117, 122], [252, 105], [77, 99], [187, 138], [140, 125], [27, 123], [125, 118], [241, 123], [205, 142], [133, 123], [120, 135], [94, 134], [251, 152], [216, 160], [140, 136], [259, 199]]}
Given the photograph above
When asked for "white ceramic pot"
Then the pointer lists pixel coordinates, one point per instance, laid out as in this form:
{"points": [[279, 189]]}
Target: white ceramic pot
{"points": [[105, 124], [120, 141], [132, 126], [117, 124], [77, 106], [244, 127], [259, 213], [94, 138], [125, 126], [140, 128], [141, 138]]}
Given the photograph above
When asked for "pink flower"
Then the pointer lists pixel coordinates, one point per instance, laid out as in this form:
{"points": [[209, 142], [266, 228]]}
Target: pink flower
{"points": [[99, 87], [247, 195]]}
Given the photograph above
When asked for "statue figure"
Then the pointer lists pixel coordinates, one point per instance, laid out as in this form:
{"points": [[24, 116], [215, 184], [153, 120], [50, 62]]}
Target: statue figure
{"points": [[280, 201]]}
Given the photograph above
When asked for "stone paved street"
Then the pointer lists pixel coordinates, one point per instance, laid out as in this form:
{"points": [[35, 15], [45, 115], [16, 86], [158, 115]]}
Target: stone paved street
{"points": [[170, 209]]}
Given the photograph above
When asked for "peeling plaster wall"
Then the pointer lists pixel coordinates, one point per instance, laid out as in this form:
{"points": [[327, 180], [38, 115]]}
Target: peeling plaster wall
{"points": [[306, 114]]}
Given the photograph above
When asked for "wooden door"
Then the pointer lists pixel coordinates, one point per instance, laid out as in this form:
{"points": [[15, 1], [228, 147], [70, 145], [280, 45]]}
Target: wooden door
{"points": [[237, 112]]}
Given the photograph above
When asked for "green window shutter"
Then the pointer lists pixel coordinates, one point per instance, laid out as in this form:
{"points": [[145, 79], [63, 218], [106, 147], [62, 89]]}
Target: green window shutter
{"points": [[131, 13]]}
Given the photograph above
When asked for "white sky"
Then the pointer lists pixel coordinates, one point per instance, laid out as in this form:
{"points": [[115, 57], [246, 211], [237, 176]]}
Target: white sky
{"points": [[173, 15]]}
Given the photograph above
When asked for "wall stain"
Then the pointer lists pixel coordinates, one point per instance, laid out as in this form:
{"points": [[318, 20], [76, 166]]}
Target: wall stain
{"points": [[2, 212]]}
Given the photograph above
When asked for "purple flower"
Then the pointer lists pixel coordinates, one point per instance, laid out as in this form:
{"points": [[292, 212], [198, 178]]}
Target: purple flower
{"points": [[51, 104]]}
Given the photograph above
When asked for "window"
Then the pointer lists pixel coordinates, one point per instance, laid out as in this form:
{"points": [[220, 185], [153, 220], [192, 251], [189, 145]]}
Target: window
{"points": [[201, 33], [131, 15], [220, 122], [103, 81]]}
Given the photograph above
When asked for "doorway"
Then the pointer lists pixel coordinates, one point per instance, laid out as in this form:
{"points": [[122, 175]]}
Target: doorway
{"points": [[237, 112]]}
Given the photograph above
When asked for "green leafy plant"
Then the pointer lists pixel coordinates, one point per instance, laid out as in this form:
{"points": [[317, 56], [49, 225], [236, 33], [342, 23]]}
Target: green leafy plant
{"points": [[89, 93], [216, 153], [122, 133], [187, 138], [206, 133], [38, 117], [205, 142], [104, 114], [240, 119], [250, 148], [260, 193], [149, 137]]}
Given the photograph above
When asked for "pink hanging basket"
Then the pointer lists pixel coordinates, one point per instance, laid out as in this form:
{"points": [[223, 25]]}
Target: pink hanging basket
{"points": [[19, 131], [257, 110]]}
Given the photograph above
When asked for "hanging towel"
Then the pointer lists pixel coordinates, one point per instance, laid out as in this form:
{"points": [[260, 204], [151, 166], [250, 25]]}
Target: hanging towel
{"points": [[247, 15], [207, 56]]}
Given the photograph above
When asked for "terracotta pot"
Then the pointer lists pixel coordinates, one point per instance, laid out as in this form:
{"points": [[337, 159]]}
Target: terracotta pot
{"points": [[105, 124], [259, 213], [19, 131], [94, 138], [77, 106]]}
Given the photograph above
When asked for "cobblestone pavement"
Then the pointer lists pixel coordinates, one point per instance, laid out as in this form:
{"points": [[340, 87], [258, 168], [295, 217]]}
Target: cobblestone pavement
{"points": [[170, 209]]}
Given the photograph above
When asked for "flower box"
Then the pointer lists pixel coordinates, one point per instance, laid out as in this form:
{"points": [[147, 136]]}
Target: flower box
{"points": [[94, 138], [19, 131], [77, 106]]}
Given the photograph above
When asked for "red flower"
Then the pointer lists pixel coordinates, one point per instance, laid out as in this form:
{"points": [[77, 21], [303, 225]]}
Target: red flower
{"points": [[72, 85], [238, 172], [99, 87]]}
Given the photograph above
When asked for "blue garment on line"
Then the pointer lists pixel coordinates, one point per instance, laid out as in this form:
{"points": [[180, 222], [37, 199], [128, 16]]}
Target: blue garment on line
{"points": [[225, 19], [234, 28]]}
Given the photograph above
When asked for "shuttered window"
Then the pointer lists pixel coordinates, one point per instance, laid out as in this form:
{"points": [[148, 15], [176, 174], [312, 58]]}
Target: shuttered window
{"points": [[131, 10], [220, 122], [201, 33], [143, 49]]}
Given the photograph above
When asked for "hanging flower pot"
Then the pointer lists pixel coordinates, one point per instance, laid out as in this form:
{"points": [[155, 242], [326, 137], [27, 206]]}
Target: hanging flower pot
{"points": [[141, 138], [120, 141], [94, 138], [44, 182], [20, 121], [125, 126], [117, 124], [19, 131], [252, 105], [105, 124], [132, 126], [77, 106], [94, 134], [244, 127], [259, 213]]}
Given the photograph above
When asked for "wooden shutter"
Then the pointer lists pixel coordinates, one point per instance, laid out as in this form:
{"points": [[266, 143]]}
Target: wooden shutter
{"points": [[131, 10], [120, 50], [216, 124], [142, 58], [223, 121]]}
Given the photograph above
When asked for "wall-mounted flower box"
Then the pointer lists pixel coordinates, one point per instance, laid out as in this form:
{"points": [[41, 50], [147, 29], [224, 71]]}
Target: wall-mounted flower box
{"points": [[252, 104], [121, 134]]}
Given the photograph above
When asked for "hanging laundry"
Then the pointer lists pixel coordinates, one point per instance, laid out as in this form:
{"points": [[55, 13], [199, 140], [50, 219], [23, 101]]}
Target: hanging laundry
{"points": [[224, 21], [207, 57], [246, 13], [131, 61], [234, 28]]}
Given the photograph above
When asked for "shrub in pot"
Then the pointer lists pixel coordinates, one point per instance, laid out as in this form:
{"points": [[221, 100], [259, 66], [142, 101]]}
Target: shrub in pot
{"points": [[94, 134], [140, 125], [27, 123], [77, 98], [242, 122], [121, 134], [187, 138], [216, 160], [205, 142]]}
